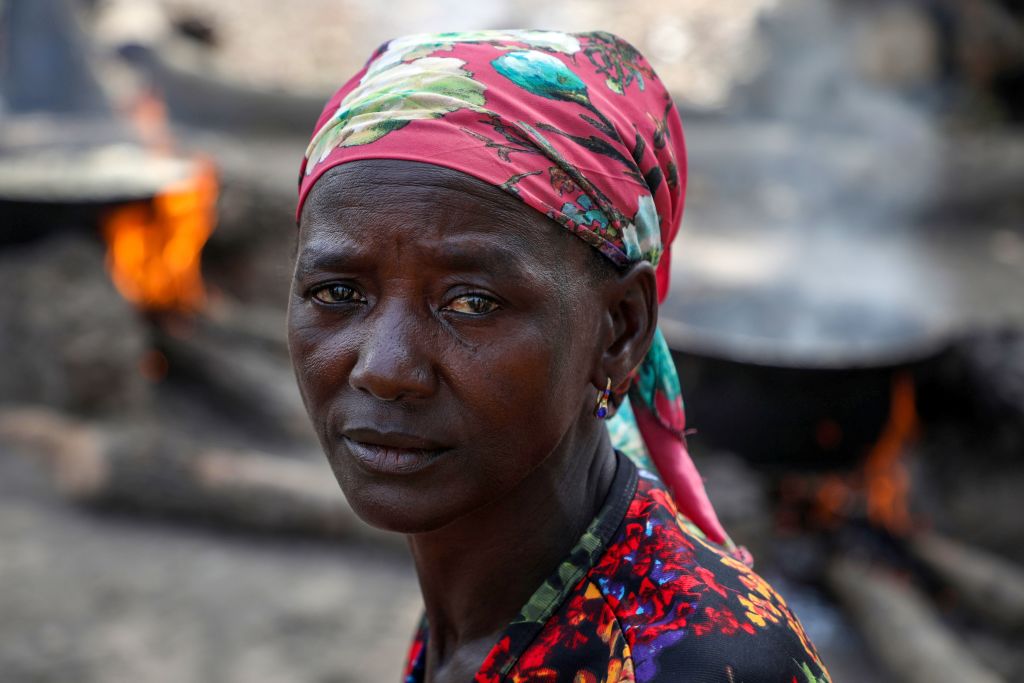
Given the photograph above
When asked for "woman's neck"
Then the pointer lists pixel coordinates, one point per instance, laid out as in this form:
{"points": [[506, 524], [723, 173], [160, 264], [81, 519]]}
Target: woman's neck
{"points": [[478, 572]]}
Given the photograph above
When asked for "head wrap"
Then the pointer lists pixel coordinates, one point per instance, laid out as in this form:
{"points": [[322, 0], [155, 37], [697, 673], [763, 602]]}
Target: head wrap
{"points": [[577, 126]]}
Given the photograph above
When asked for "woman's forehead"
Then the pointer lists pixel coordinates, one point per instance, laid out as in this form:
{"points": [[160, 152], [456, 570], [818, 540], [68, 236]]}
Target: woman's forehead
{"points": [[368, 182], [377, 208], [447, 213]]}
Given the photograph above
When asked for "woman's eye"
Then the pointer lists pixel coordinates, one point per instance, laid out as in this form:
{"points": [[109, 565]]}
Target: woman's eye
{"points": [[337, 294], [472, 304]]}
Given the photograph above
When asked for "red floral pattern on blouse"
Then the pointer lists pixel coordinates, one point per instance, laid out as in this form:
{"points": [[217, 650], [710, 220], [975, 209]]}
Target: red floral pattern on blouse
{"points": [[655, 604]]}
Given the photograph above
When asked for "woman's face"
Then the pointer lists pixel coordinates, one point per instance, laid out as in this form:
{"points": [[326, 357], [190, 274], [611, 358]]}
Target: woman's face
{"points": [[443, 337]]}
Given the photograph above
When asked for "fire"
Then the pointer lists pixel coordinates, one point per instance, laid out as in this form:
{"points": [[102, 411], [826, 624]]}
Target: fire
{"points": [[887, 481], [153, 248], [881, 488]]}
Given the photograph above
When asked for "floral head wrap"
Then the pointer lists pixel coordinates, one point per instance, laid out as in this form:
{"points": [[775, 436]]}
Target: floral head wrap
{"points": [[577, 126]]}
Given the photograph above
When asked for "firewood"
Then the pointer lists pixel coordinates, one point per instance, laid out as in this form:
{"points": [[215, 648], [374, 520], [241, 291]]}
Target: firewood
{"points": [[988, 585], [253, 383], [69, 448], [154, 472], [901, 629]]}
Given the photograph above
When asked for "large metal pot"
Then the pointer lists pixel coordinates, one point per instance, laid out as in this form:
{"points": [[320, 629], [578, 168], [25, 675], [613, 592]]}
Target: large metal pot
{"points": [[790, 383]]}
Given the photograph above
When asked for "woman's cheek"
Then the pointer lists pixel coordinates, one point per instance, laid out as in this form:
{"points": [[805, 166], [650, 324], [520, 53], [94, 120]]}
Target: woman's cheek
{"points": [[320, 359], [510, 382]]}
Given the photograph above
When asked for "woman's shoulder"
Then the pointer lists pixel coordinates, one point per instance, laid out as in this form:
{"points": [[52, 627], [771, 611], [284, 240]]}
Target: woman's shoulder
{"points": [[644, 598], [687, 609]]}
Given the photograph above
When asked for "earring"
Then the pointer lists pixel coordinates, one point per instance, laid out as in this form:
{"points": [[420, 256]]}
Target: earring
{"points": [[601, 411]]}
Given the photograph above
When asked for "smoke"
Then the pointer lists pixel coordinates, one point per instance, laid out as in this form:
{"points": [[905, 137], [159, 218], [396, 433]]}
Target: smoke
{"points": [[816, 178], [865, 149]]}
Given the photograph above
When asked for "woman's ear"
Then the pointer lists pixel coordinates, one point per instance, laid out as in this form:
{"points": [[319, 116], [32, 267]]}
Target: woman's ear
{"points": [[632, 311]]}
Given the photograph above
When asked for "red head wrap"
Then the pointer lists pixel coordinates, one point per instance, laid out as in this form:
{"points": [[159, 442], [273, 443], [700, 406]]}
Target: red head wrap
{"points": [[577, 126]]}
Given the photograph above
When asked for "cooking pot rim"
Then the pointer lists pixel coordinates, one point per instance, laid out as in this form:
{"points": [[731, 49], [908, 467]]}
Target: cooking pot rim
{"points": [[762, 351]]}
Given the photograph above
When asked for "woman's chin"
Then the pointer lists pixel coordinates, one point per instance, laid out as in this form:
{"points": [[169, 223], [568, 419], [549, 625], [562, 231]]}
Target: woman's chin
{"points": [[387, 519], [398, 512]]}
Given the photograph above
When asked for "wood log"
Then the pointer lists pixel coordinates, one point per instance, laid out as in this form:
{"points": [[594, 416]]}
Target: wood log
{"points": [[260, 326], [988, 585], [254, 384], [901, 629], [153, 472]]}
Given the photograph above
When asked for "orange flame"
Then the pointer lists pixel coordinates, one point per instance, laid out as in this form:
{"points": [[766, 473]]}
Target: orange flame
{"points": [[153, 248], [886, 479], [881, 488]]}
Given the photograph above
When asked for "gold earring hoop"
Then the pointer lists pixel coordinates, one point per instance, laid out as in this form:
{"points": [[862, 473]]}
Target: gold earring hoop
{"points": [[601, 411]]}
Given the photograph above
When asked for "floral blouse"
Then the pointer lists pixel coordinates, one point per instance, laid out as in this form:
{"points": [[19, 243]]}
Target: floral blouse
{"points": [[643, 598]]}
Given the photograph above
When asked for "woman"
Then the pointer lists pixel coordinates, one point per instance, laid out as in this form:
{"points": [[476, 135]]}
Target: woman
{"points": [[485, 224]]}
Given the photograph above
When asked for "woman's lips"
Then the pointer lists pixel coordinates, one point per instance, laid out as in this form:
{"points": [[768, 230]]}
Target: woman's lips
{"points": [[384, 454]]}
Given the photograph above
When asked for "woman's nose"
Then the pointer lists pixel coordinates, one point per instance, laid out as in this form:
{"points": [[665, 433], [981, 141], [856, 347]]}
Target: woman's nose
{"points": [[393, 364]]}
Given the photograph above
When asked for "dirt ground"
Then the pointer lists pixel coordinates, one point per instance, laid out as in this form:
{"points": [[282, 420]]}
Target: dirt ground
{"points": [[92, 597]]}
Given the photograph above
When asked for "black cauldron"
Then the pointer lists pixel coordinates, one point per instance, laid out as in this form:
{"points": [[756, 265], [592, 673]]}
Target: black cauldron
{"points": [[790, 381]]}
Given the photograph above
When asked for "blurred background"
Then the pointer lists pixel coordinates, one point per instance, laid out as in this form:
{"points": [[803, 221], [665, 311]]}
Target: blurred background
{"points": [[847, 316]]}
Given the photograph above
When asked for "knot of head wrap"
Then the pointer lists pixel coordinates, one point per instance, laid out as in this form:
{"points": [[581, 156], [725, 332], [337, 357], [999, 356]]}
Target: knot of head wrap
{"points": [[577, 126]]}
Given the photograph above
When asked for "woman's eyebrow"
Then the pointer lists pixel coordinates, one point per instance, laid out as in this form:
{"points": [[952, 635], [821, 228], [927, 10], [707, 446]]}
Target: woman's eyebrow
{"points": [[486, 256], [318, 259], [454, 255]]}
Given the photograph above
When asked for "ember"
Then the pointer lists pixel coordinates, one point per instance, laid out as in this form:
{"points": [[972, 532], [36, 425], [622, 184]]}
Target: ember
{"points": [[148, 115]]}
